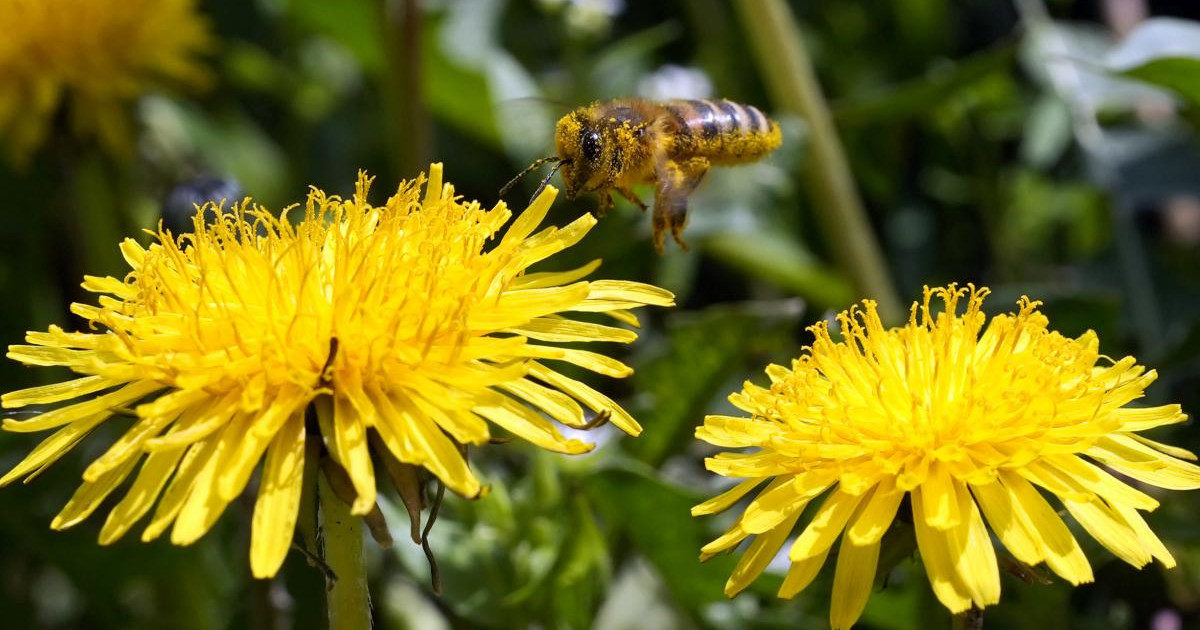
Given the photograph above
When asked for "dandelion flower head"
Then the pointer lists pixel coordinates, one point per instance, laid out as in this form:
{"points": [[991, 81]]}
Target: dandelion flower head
{"points": [[416, 322], [974, 422], [94, 57]]}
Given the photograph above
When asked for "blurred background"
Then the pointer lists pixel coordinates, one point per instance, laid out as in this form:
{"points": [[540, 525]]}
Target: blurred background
{"points": [[1041, 148]]}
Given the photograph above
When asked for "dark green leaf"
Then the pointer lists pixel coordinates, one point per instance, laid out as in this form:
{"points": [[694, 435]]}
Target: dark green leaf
{"points": [[916, 96]]}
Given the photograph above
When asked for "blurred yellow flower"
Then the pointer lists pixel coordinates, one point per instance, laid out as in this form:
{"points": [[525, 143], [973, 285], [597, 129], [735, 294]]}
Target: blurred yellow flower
{"points": [[216, 343], [91, 57], [965, 420]]}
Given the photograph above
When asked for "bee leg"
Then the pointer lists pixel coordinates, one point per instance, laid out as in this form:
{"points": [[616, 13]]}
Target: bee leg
{"points": [[606, 202], [676, 181], [660, 228], [634, 199]]}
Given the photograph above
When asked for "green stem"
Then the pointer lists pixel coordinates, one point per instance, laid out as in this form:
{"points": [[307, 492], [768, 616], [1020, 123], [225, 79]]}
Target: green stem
{"points": [[408, 122], [970, 620], [341, 532], [306, 520], [349, 603], [787, 70]]}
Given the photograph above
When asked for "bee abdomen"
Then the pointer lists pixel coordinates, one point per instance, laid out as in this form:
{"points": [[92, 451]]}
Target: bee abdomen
{"points": [[724, 130]]}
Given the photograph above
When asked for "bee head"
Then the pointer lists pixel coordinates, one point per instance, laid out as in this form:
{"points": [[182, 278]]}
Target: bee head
{"points": [[586, 150]]}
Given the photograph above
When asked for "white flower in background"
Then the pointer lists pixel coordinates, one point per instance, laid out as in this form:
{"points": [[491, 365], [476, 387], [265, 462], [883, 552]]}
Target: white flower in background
{"points": [[673, 81], [586, 17]]}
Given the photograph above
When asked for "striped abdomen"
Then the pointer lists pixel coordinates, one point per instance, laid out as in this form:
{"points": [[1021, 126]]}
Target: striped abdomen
{"points": [[721, 130]]}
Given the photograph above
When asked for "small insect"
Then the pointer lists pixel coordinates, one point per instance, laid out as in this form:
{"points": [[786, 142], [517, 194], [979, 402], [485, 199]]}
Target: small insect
{"points": [[182, 201], [612, 145]]}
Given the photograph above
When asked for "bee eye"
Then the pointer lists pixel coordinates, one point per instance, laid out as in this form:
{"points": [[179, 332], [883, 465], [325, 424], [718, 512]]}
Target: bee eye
{"points": [[591, 145]]}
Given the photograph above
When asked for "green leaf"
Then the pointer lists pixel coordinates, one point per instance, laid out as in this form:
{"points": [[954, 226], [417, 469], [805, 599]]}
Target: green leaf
{"points": [[1163, 52], [704, 351], [1048, 132], [230, 141], [657, 519], [583, 571], [355, 24], [783, 261], [457, 95], [618, 68], [1044, 213], [916, 96], [252, 68], [1181, 75]]}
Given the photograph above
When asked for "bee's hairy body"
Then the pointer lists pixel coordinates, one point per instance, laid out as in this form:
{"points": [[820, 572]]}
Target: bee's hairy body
{"points": [[613, 145]]}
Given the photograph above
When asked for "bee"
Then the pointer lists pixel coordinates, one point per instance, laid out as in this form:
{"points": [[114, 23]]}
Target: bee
{"points": [[612, 145]]}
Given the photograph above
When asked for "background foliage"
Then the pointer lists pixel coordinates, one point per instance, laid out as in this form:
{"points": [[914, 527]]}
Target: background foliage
{"points": [[1044, 153]]}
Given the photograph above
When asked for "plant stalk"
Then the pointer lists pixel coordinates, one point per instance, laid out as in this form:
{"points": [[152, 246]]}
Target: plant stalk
{"points": [[778, 46], [970, 620], [408, 121], [347, 598]]}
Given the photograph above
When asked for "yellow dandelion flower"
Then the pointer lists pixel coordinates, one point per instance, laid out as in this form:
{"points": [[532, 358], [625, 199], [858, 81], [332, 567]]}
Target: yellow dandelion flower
{"points": [[415, 333], [95, 56], [969, 420]]}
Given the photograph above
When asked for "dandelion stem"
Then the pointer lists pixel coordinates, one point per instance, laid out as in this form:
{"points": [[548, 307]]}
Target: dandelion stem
{"points": [[349, 603], [341, 532], [408, 120], [306, 520], [787, 70], [970, 620]]}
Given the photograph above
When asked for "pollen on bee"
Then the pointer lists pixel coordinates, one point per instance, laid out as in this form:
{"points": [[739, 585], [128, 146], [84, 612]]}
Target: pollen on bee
{"points": [[610, 146]]}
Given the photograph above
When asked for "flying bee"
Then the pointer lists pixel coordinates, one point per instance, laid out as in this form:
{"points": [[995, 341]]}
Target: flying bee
{"points": [[613, 145]]}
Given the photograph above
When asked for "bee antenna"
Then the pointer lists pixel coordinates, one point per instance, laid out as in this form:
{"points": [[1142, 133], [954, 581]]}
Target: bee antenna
{"points": [[528, 169], [546, 180]]}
